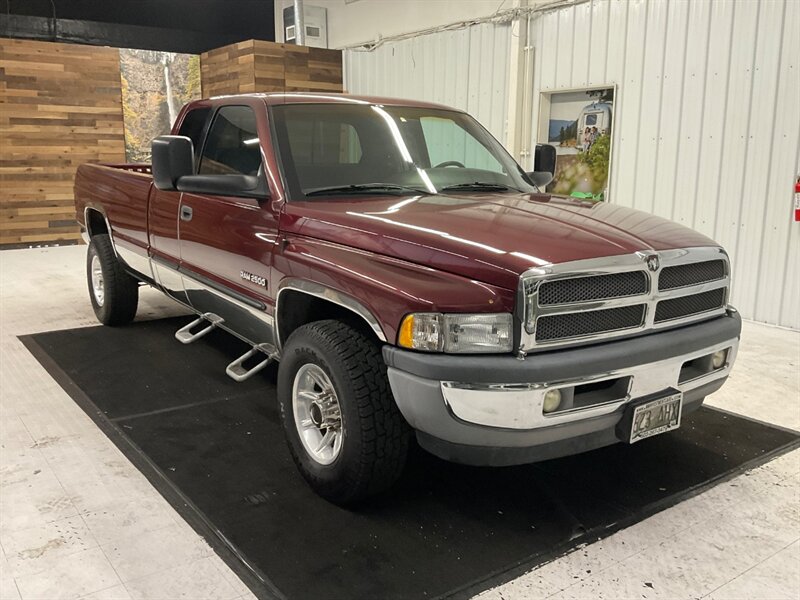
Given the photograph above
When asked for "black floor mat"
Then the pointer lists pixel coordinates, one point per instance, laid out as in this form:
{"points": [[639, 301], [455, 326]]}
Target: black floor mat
{"points": [[215, 450]]}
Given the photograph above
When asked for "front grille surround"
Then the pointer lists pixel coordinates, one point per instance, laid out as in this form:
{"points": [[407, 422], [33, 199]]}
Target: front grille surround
{"points": [[550, 295]]}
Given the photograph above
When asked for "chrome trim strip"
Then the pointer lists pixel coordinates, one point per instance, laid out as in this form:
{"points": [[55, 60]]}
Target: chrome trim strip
{"points": [[531, 280], [326, 293], [519, 405]]}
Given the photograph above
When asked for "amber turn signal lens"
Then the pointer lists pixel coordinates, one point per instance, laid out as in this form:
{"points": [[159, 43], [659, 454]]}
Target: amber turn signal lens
{"points": [[406, 334]]}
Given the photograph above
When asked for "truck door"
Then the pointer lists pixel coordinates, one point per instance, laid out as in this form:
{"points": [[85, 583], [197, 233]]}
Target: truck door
{"points": [[162, 217], [226, 243]]}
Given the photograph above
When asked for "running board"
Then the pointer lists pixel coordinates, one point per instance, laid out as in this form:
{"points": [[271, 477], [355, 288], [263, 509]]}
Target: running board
{"points": [[185, 336], [237, 372]]}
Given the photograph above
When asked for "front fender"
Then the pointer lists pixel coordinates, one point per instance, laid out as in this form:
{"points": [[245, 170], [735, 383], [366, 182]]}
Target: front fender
{"points": [[382, 289]]}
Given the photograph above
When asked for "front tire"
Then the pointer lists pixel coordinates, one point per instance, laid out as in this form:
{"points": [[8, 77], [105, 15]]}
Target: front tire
{"points": [[344, 430], [114, 294]]}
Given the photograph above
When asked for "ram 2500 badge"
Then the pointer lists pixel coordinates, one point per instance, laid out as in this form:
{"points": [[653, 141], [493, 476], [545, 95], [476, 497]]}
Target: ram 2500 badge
{"points": [[413, 281]]}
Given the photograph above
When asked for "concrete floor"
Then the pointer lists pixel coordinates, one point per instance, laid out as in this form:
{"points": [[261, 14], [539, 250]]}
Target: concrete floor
{"points": [[77, 520]]}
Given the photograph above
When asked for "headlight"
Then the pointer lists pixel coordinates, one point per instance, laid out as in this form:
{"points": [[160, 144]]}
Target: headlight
{"points": [[457, 333]]}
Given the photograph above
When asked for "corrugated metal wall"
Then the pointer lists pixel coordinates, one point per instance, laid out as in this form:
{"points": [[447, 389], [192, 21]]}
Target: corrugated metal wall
{"points": [[465, 68], [707, 125]]}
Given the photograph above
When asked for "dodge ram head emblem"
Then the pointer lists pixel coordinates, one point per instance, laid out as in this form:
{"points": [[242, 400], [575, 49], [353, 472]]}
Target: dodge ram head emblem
{"points": [[652, 262]]}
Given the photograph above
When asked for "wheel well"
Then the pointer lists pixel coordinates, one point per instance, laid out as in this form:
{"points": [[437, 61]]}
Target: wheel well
{"points": [[296, 309], [95, 223]]}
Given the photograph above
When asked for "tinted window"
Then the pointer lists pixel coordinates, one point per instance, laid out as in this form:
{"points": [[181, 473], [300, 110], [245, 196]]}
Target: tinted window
{"points": [[323, 141], [232, 143], [342, 144], [192, 127], [448, 142], [591, 119]]}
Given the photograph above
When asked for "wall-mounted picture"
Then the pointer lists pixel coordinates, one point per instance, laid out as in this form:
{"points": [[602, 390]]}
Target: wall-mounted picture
{"points": [[155, 85], [579, 125]]}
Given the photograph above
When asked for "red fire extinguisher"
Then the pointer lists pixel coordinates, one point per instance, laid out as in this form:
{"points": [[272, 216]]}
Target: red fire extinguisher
{"points": [[797, 200]]}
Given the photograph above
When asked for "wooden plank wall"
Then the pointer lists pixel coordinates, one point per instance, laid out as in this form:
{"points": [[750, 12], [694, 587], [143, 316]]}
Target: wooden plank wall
{"points": [[258, 66], [60, 106]]}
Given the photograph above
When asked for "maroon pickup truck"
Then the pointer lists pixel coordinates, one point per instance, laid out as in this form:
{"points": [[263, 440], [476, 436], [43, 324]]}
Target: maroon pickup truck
{"points": [[413, 281]]}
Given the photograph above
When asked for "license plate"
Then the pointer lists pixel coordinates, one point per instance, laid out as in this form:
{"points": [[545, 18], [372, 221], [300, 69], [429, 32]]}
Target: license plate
{"points": [[655, 417]]}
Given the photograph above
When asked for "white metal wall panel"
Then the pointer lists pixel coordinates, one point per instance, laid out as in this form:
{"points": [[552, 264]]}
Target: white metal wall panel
{"points": [[707, 127], [695, 88], [780, 248], [465, 68]]}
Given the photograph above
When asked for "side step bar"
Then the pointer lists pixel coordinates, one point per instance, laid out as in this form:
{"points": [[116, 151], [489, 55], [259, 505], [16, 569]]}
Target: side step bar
{"points": [[236, 370], [185, 336]]}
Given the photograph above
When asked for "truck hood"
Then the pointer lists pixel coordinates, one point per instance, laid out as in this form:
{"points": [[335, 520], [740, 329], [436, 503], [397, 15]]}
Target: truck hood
{"points": [[491, 238]]}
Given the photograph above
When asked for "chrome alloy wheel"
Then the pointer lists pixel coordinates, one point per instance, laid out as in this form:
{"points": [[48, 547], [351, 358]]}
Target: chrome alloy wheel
{"points": [[317, 415], [97, 281]]}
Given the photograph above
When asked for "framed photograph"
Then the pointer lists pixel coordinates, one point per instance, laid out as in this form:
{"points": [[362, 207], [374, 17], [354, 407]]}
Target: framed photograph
{"points": [[579, 123]]}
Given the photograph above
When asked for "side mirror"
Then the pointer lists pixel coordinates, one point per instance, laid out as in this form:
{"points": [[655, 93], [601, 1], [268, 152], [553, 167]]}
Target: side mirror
{"points": [[246, 186], [544, 165], [173, 158]]}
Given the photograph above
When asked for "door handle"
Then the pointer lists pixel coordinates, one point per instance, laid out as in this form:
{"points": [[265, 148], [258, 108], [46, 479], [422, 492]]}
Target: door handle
{"points": [[186, 213]]}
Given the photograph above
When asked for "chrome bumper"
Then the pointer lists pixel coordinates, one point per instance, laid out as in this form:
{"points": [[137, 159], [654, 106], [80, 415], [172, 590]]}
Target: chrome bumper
{"points": [[519, 405], [487, 410]]}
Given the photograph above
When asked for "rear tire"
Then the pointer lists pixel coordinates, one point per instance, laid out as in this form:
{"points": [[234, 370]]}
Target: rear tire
{"points": [[332, 377], [113, 292]]}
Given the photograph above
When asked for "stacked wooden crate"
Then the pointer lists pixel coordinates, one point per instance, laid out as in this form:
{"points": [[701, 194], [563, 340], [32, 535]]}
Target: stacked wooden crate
{"points": [[228, 70], [60, 106], [258, 66]]}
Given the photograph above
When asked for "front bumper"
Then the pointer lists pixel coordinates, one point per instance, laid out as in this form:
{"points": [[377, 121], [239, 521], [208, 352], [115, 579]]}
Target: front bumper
{"points": [[487, 410]]}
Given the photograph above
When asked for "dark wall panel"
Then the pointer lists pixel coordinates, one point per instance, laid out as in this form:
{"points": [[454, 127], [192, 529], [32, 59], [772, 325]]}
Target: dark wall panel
{"points": [[191, 26]]}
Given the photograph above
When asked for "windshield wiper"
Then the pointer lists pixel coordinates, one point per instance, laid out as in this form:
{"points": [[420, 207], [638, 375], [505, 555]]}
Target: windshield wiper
{"points": [[479, 186], [358, 188]]}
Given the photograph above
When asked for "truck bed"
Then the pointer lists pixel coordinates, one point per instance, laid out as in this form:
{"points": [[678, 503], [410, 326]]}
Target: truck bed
{"points": [[119, 193]]}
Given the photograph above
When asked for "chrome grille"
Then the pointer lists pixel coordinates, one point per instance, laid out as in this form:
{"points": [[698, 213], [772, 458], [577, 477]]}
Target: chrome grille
{"points": [[595, 287], [570, 325], [691, 274], [683, 306], [599, 299]]}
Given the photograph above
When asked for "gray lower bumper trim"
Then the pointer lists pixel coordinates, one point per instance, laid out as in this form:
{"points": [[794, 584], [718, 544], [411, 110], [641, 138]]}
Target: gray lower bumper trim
{"points": [[503, 456], [566, 364]]}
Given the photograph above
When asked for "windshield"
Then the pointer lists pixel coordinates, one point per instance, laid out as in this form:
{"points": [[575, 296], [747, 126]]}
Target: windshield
{"points": [[329, 149]]}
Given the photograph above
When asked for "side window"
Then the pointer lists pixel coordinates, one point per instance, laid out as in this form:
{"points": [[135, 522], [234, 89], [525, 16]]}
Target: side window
{"points": [[323, 142], [192, 127], [232, 143], [447, 142]]}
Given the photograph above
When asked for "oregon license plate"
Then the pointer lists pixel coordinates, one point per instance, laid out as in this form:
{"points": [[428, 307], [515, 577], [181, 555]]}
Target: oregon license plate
{"points": [[656, 416]]}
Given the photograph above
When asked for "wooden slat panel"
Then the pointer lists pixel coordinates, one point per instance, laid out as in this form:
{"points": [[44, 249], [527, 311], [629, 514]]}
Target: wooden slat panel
{"points": [[258, 66], [60, 106]]}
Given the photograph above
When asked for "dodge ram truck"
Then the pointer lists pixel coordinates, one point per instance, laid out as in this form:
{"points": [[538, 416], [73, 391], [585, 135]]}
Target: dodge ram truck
{"points": [[412, 281]]}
